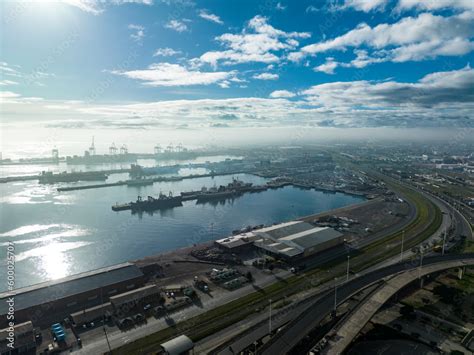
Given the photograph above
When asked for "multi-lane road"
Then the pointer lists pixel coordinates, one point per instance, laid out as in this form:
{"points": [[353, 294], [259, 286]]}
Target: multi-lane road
{"points": [[294, 332]]}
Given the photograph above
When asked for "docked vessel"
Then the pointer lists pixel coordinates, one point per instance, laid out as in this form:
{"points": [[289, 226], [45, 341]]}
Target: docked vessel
{"points": [[137, 170], [47, 177], [216, 194], [140, 182], [151, 203]]}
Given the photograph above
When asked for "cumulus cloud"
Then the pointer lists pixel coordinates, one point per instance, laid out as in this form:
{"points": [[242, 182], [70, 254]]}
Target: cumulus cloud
{"points": [[138, 32], [210, 17], [167, 74], [258, 42], [435, 5], [440, 99], [434, 90], [365, 5], [165, 52], [411, 39], [266, 76], [282, 94], [176, 25]]}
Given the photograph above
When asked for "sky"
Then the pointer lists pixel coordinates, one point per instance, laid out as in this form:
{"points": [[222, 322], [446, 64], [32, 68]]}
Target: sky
{"points": [[221, 71]]}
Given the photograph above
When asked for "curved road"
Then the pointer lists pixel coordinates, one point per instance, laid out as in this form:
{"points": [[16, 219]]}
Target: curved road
{"points": [[291, 335]]}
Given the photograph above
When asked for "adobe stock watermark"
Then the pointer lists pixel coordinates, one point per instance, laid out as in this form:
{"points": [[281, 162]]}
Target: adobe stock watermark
{"points": [[10, 301]]}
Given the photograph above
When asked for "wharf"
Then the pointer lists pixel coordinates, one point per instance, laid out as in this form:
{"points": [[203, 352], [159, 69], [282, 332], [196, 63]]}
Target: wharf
{"points": [[36, 176], [153, 180]]}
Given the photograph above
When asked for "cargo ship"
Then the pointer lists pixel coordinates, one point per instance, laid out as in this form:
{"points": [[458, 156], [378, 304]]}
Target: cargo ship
{"points": [[101, 159], [151, 203], [139, 182], [215, 193], [47, 177], [235, 188], [137, 170]]}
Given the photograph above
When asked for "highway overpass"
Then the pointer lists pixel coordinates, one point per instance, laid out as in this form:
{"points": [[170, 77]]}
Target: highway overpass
{"points": [[296, 330]]}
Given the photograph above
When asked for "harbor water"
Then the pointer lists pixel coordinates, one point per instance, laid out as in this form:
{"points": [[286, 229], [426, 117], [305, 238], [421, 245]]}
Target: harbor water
{"points": [[59, 234]]}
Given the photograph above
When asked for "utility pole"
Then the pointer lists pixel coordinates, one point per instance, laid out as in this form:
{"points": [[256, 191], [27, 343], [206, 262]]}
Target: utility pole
{"points": [[348, 265], [335, 295], [103, 322], [270, 319], [444, 242], [421, 263], [401, 251]]}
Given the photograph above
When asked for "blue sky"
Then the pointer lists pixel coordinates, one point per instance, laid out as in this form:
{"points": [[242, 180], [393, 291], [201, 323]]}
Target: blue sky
{"points": [[163, 64]]}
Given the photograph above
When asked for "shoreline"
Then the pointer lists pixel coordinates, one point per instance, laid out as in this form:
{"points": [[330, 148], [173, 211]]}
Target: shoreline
{"points": [[183, 255]]}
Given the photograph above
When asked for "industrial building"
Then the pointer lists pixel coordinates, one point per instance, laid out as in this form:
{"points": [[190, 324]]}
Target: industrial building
{"points": [[24, 339], [289, 241], [47, 302], [296, 239], [92, 314], [128, 300], [181, 345]]}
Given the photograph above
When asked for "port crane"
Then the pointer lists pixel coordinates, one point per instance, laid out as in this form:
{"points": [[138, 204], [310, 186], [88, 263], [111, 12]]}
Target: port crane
{"points": [[92, 147]]}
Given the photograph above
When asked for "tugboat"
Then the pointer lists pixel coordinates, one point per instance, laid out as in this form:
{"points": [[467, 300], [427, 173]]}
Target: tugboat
{"points": [[151, 203]]}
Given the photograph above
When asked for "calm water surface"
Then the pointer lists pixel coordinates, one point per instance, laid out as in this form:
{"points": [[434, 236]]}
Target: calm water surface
{"points": [[58, 234]]}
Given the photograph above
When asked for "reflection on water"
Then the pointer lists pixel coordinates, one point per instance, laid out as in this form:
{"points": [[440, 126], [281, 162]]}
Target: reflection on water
{"points": [[28, 229], [77, 231], [52, 261]]}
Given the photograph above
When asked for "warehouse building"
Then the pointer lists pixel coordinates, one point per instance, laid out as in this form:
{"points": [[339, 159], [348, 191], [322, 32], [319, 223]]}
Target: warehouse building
{"points": [[52, 301], [100, 312], [128, 300], [24, 339], [296, 239]]}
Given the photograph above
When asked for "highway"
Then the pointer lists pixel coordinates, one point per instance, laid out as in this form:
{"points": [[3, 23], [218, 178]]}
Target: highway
{"points": [[462, 227], [294, 332], [360, 316]]}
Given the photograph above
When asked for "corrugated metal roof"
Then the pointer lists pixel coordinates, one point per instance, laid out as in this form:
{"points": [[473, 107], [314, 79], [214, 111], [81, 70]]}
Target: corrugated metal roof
{"points": [[313, 237], [178, 345], [134, 295], [283, 229], [69, 286]]}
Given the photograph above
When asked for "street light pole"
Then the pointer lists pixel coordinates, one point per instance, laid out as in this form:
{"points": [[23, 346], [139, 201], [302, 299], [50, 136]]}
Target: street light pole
{"points": [[401, 251], [444, 242], [270, 319], [421, 263], [347, 272]]}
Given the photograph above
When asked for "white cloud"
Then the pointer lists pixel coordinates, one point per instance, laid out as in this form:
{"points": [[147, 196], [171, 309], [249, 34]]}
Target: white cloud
{"points": [[165, 52], [176, 25], [8, 95], [432, 5], [365, 5], [96, 7], [8, 82], [167, 74], [210, 17], [282, 94], [442, 99], [433, 90], [327, 67], [266, 76], [280, 7], [258, 42], [311, 8], [138, 32], [412, 38]]}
